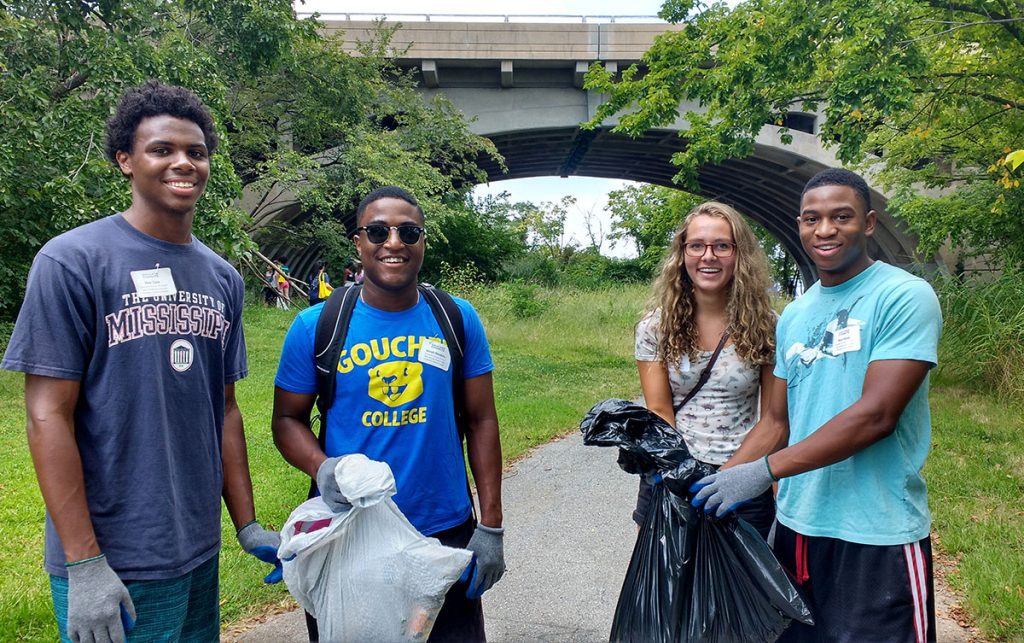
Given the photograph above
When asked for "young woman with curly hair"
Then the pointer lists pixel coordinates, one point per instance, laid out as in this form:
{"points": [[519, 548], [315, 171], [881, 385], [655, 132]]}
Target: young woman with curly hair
{"points": [[712, 288]]}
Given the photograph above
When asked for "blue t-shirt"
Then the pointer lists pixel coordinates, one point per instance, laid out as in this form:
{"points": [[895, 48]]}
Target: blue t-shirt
{"points": [[825, 341], [391, 406], [152, 369]]}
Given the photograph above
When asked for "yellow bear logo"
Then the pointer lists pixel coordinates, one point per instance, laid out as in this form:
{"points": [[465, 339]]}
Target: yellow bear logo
{"points": [[395, 383]]}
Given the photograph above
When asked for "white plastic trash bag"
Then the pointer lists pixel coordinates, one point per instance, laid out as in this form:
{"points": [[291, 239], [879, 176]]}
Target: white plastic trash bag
{"points": [[366, 574]]}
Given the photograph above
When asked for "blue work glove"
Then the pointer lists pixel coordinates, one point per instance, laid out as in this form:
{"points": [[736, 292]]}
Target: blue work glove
{"points": [[262, 544], [99, 606], [725, 490], [327, 483], [488, 562]]}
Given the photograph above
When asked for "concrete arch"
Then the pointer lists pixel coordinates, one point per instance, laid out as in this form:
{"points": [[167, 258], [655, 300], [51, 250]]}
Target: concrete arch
{"points": [[765, 186]]}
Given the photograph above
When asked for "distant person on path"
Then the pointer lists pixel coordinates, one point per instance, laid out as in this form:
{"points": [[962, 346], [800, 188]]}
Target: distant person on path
{"points": [[357, 277], [132, 421], [710, 301], [283, 286], [269, 290], [853, 355], [317, 277], [395, 404]]}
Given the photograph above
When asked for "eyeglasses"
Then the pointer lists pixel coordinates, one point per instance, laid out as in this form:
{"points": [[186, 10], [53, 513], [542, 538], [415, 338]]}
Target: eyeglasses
{"points": [[720, 249], [378, 233]]}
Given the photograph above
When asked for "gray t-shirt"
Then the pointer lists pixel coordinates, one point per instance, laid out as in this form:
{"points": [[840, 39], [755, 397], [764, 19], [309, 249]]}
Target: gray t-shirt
{"points": [[723, 411], [150, 411]]}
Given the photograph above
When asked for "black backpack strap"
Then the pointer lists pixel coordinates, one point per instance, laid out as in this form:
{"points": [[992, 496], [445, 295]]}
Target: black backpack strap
{"points": [[449, 317], [331, 330]]}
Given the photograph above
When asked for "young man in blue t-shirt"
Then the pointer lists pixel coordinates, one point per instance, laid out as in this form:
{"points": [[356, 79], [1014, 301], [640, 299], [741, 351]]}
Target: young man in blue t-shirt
{"points": [[394, 403], [130, 338], [850, 408]]}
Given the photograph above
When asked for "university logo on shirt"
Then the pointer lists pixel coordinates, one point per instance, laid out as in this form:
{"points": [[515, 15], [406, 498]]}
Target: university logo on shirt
{"points": [[182, 354]]}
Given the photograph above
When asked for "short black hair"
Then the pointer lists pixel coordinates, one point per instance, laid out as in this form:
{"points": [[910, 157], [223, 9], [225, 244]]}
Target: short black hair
{"points": [[155, 99], [840, 176], [387, 192]]}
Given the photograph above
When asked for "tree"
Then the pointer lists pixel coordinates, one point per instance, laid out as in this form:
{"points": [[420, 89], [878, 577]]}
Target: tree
{"points": [[647, 215], [544, 226], [920, 93], [483, 234], [291, 107]]}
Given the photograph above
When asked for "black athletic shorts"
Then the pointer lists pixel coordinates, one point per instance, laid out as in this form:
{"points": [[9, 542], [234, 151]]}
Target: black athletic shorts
{"points": [[461, 620], [859, 593]]}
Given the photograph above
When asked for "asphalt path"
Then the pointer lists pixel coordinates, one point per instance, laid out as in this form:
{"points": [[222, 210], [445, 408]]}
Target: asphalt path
{"points": [[568, 540]]}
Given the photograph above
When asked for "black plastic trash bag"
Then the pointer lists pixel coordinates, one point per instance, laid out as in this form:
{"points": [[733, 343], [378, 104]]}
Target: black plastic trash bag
{"points": [[692, 577]]}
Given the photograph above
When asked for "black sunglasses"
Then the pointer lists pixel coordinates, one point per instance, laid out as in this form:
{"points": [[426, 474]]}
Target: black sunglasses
{"points": [[378, 233]]}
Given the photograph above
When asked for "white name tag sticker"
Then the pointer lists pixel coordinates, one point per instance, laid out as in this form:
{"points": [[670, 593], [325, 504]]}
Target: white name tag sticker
{"points": [[846, 340], [436, 354], [684, 364], [156, 282]]}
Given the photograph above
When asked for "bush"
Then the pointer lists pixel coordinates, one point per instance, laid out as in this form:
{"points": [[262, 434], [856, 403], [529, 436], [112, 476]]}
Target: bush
{"points": [[522, 300], [462, 280], [536, 268], [983, 332]]}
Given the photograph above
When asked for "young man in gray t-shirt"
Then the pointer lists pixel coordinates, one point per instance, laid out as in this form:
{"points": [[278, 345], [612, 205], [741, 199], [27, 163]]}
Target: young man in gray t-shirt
{"points": [[130, 338]]}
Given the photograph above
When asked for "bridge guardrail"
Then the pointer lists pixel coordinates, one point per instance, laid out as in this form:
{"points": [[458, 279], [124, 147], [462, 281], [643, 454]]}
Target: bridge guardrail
{"points": [[352, 16]]}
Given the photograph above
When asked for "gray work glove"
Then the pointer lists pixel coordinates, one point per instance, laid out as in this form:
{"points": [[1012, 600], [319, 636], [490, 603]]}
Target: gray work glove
{"points": [[262, 544], [99, 606], [327, 483], [488, 559], [728, 489]]}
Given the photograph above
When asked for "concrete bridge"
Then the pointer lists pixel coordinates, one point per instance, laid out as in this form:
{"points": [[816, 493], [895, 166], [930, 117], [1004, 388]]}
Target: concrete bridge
{"points": [[521, 84]]}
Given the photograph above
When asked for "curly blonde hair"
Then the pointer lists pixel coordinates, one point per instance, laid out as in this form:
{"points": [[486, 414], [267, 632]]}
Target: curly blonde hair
{"points": [[750, 317]]}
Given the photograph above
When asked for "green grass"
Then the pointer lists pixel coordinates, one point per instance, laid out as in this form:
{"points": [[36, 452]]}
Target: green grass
{"points": [[975, 475], [556, 353]]}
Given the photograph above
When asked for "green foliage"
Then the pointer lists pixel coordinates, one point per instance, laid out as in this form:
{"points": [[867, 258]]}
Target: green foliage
{"points": [[534, 267], [983, 333], [461, 281], [647, 215], [522, 300], [293, 111], [589, 270], [484, 234], [925, 93]]}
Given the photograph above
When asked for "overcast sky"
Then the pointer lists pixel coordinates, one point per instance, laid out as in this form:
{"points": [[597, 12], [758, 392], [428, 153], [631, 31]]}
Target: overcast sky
{"points": [[590, 193]]}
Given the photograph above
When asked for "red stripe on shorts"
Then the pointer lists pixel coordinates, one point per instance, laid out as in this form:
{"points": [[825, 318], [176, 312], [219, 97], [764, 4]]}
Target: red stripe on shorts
{"points": [[914, 559]]}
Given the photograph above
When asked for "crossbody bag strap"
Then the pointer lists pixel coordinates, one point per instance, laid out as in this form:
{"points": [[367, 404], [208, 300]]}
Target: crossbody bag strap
{"points": [[705, 374]]}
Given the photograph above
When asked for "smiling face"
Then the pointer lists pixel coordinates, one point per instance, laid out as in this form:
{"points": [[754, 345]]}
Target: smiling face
{"points": [[709, 274], [390, 269], [834, 226], [168, 166]]}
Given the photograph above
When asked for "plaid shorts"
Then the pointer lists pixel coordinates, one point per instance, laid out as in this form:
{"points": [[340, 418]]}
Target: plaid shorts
{"points": [[185, 608]]}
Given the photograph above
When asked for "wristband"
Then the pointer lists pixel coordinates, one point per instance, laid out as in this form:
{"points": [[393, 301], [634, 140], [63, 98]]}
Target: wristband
{"points": [[251, 522], [85, 560], [769, 467]]}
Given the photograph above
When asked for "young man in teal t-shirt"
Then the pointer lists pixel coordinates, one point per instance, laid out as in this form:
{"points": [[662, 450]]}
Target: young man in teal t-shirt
{"points": [[849, 432]]}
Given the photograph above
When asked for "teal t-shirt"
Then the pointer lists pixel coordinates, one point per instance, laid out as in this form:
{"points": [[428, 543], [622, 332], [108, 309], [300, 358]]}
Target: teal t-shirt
{"points": [[825, 341]]}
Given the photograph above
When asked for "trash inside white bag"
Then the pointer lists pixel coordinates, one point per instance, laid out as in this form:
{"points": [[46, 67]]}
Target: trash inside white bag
{"points": [[366, 574]]}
